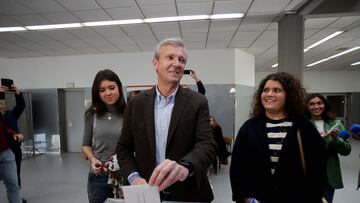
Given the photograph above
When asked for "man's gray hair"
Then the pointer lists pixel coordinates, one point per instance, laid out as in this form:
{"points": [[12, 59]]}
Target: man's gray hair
{"points": [[169, 41]]}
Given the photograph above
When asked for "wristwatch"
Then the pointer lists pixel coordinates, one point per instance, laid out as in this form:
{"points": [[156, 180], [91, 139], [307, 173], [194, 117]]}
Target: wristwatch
{"points": [[187, 164]]}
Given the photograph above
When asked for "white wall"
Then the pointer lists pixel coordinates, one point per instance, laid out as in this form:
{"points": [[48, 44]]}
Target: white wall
{"points": [[325, 81], [213, 66], [244, 68]]}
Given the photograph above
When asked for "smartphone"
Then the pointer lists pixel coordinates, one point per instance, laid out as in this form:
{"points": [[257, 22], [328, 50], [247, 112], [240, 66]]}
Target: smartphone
{"points": [[2, 95], [7, 83], [187, 72], [333, 127]]}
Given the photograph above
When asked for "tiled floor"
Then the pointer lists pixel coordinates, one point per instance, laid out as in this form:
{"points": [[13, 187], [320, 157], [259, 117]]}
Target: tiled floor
{"points": [[62, 179]]}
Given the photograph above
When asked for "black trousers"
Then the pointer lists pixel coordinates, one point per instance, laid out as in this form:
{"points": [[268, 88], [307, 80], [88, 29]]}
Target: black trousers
{"points": [[18, 157]]}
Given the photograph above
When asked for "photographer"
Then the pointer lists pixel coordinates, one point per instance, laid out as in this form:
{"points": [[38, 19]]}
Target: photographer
{"points": [[199, 84], [11, 117]]}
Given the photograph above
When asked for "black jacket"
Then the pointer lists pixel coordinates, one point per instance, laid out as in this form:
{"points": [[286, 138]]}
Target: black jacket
{"points": [[250, 173]]}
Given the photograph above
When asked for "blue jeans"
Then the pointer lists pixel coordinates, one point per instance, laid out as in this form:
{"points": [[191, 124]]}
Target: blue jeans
{"points": [[9, 176], [98, 189]]}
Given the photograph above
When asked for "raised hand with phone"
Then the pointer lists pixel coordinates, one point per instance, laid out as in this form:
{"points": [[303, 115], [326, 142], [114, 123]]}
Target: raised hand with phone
{"points": [[199, 84]]}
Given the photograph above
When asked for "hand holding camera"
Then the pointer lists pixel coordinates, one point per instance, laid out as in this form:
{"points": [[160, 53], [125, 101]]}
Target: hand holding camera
{"points": [[8, 85]]}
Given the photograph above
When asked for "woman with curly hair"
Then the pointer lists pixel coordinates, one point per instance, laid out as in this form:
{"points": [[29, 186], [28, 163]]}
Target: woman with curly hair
{"points": [[319, 113], [266, 163]]}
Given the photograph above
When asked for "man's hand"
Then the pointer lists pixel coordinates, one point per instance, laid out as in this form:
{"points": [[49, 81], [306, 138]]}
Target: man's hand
{"points": [[139, 181], [167, 173], [18, 137]]}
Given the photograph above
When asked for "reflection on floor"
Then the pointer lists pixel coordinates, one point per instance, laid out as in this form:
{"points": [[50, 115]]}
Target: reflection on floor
{"points": [[62, 179]]}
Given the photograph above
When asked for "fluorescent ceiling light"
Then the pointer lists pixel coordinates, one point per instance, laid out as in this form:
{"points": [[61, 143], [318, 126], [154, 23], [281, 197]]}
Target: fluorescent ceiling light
{"points": [[54, 26], [11, 29], [114, 22], [318, 43], [226, 16], [344, 52], [317, 62], [323, 40], [275, 65], [333, 56], [123, 22], [176, 18], [356, 63]]}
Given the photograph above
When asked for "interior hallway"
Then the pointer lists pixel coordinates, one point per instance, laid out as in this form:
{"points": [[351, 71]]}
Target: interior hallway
{"points": [[62, 179]]}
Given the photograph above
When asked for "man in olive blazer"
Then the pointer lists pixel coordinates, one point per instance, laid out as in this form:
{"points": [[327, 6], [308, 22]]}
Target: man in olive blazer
{"points": [[189, 148]]}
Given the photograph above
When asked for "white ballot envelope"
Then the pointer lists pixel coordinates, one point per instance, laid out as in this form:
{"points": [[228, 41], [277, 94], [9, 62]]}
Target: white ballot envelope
{"points": [[141, 194]]}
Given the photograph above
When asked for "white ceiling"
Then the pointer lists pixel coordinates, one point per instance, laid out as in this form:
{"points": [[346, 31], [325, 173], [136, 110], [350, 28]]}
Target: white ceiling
{"points": [[256, 33]]}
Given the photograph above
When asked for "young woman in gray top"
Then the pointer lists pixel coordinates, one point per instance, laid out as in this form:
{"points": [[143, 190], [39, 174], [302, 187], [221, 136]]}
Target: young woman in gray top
{"points": [[103, 124]]}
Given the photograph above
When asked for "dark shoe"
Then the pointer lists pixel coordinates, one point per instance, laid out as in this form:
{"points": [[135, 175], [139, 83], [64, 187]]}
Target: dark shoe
{"points": [[24, 200]]}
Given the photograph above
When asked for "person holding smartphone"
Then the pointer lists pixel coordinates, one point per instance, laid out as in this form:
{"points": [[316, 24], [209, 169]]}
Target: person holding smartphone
{"points": [[199, 84], [11, 119], [319, 113], [7, 161]]}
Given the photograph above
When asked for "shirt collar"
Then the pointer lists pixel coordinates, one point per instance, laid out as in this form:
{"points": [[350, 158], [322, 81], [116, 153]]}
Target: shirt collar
{"points": [[160, 97]]}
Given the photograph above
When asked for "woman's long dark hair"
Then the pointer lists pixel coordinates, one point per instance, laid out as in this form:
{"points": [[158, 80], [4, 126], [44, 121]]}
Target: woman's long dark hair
{"points": [[295, 94], [326, 114], [98, 106]]}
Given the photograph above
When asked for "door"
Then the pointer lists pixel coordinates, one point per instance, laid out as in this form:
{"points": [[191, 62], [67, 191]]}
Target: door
{"points": [[74, 118], [338, 103]]}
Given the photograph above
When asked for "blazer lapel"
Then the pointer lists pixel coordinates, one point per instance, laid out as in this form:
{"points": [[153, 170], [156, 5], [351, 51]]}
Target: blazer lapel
{"points": [[179, 106], [149, 119]]}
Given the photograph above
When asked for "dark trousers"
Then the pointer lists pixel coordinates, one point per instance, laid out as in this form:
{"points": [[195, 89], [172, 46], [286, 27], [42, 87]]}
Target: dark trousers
{"points": [[329, 192], [98, 189], [18, 157]]}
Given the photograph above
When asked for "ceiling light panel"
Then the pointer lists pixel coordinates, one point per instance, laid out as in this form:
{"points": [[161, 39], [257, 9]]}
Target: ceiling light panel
{"points": [[11, 29], [54, 26], [159, 10], [194, 8]]}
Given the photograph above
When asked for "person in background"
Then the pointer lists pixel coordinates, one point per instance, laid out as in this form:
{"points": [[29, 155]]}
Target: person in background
{"points": [[7, 162], [266, 163], [103, 124], [11, 119], [199, 84], [221, 152], [319, 113], [166, 140]]}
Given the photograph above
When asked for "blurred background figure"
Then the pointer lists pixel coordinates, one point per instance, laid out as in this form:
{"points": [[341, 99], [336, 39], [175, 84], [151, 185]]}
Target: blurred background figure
{"points": [[7, 162], [199, 84], [319, 113], [11, 119], [222, 153]]}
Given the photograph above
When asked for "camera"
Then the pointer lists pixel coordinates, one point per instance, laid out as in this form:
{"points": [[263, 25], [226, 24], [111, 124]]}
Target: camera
{"points": [[186, 72], [7, 83]]}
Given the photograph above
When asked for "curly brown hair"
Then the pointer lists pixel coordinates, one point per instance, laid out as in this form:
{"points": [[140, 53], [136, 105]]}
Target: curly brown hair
{"points": [[295, 95]]}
